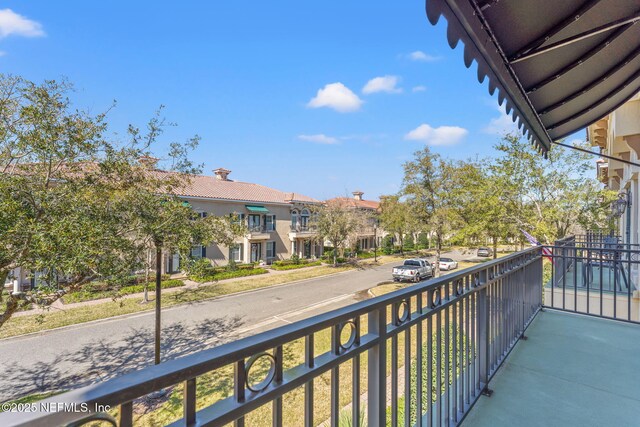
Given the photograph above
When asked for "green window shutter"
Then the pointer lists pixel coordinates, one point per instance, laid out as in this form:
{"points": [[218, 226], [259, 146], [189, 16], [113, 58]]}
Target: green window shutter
{"points": [[204, 251]]}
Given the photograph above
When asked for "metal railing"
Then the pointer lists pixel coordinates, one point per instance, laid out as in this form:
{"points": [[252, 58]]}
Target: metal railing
{"points": [[424, 354], [595, 275], [302, 228]]}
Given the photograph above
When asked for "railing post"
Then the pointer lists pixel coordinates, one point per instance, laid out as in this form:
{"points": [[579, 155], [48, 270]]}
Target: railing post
{"points": [[377, 372], [483, 332]]}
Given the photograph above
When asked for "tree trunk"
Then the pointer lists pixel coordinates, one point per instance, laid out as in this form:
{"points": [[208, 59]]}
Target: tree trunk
{"points": [[401, 238], [438, 253], [12, 302], [158, 301], [495, 247], [145, 298]]}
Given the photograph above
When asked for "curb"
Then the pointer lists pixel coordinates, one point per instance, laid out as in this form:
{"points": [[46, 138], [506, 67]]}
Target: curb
{"points": [[146, 312]]}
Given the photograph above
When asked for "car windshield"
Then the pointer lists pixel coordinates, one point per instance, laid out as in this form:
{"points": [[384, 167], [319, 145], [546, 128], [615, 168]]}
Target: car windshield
{"points": [[445, 260], [412, 263]]}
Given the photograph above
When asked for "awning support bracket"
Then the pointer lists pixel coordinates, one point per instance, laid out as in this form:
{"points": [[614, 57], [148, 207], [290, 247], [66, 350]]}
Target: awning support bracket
{"points": [[569, 40], [617, 159]]}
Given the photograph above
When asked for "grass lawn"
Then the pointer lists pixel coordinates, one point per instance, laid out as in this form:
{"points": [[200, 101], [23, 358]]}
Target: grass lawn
{"points": [[56, 318]]}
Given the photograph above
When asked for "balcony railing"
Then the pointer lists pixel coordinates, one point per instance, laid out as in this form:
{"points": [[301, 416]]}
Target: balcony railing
{"points": [[594, 274], [299, 228], [435, 345]]}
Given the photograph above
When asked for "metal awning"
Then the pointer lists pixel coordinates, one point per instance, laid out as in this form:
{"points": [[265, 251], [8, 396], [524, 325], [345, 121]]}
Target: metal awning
{"points": [[256, 209], [560, 65]]}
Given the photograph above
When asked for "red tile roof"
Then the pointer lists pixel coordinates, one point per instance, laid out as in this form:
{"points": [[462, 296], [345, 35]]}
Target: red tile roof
{"points": [[212, 188], [360, 204]]}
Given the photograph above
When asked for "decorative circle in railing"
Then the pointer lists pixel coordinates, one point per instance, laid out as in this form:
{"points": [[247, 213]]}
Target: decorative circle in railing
{"points": [[459, 287], [99, 417], [260, 361], [476, 279], [347, 332], [436, 299], [402, 312]]}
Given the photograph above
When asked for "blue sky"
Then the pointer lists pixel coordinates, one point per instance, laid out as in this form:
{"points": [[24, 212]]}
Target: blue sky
{"points": [[319, 98]]}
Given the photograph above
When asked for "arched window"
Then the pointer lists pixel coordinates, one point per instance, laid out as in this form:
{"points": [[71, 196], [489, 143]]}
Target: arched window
{"points": [[304, 218], [294, 219]]}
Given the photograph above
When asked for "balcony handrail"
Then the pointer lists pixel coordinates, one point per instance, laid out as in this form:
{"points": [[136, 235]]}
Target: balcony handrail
{"points": [[449, 291]]}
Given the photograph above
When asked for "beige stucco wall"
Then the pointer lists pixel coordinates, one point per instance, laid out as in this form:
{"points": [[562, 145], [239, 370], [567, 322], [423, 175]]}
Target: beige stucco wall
{"points": [[219, 254]]}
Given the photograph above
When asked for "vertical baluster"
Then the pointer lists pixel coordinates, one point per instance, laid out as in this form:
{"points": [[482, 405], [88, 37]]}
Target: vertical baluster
{"points": [[308, 387], [483, 315], [475, 347], [277, 402], [189, 402], [575, 280], [355, 398], [429, 356], [469, 341], [454, 363], [438, 371], [335, 377], [628, 281], [462, 333], [407, 375], [239, 381], [419, 385], [394, 380], [376, 372], [600, 264], [125, 418]]}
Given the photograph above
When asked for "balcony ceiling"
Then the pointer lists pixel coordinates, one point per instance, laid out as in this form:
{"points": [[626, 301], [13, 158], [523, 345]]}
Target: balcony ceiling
{"points": [[560, 65]]}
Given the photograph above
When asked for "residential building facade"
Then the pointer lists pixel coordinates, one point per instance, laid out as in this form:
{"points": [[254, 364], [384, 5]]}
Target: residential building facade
{"points": [[278, 223], [369, 235], [618, 135]]}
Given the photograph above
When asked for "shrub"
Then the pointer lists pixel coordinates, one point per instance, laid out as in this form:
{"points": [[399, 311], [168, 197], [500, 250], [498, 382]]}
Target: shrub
{"points": [[387, 245], [221, 275], [99, 291], [292, 266]]}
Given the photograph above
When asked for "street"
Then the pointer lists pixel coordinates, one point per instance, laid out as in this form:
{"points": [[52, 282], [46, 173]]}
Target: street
{"points": [[75, 356]]}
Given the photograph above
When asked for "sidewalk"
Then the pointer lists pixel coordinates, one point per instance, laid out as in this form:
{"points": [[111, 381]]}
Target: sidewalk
{"points": [[188, 284]]}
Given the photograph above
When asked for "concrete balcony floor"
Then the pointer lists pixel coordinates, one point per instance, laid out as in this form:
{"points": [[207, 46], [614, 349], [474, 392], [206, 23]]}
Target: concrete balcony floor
{"points": [[572, 371]]}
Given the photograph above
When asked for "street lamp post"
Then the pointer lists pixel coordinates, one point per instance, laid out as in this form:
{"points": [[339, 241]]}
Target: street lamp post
{"points": [[375, 242]]}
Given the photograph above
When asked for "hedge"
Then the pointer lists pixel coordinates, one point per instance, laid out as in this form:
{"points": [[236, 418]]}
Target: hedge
{"points": [[90, 292], [281, 267], [229, 274]]}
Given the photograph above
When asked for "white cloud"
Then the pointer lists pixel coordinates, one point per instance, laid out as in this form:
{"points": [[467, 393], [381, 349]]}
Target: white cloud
{"points": [[319, 139], [443, 135], [336, 96], [13, 24], [420, 56], [502, 124], [386, 84], [419, 88]]}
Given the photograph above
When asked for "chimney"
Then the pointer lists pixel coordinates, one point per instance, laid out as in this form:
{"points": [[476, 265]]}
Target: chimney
{"points": [[148, 161], [357, 195], [222, 174]]}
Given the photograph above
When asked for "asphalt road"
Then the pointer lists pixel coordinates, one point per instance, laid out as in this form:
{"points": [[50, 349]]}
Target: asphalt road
{"points": [[75, 356]]}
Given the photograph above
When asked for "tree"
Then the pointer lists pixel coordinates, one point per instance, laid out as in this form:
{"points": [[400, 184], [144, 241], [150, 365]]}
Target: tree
{"points": [[550, 198], [337, 224], [396, 217], [78, 207], [427, 186]]}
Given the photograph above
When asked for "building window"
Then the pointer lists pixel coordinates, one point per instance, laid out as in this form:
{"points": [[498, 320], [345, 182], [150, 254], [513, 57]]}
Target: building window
{"points": [[197, 252], [270, 222], [254, 222], [235, 253], [271, 250], [294, 218], [304, 218], [237, 218]]}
